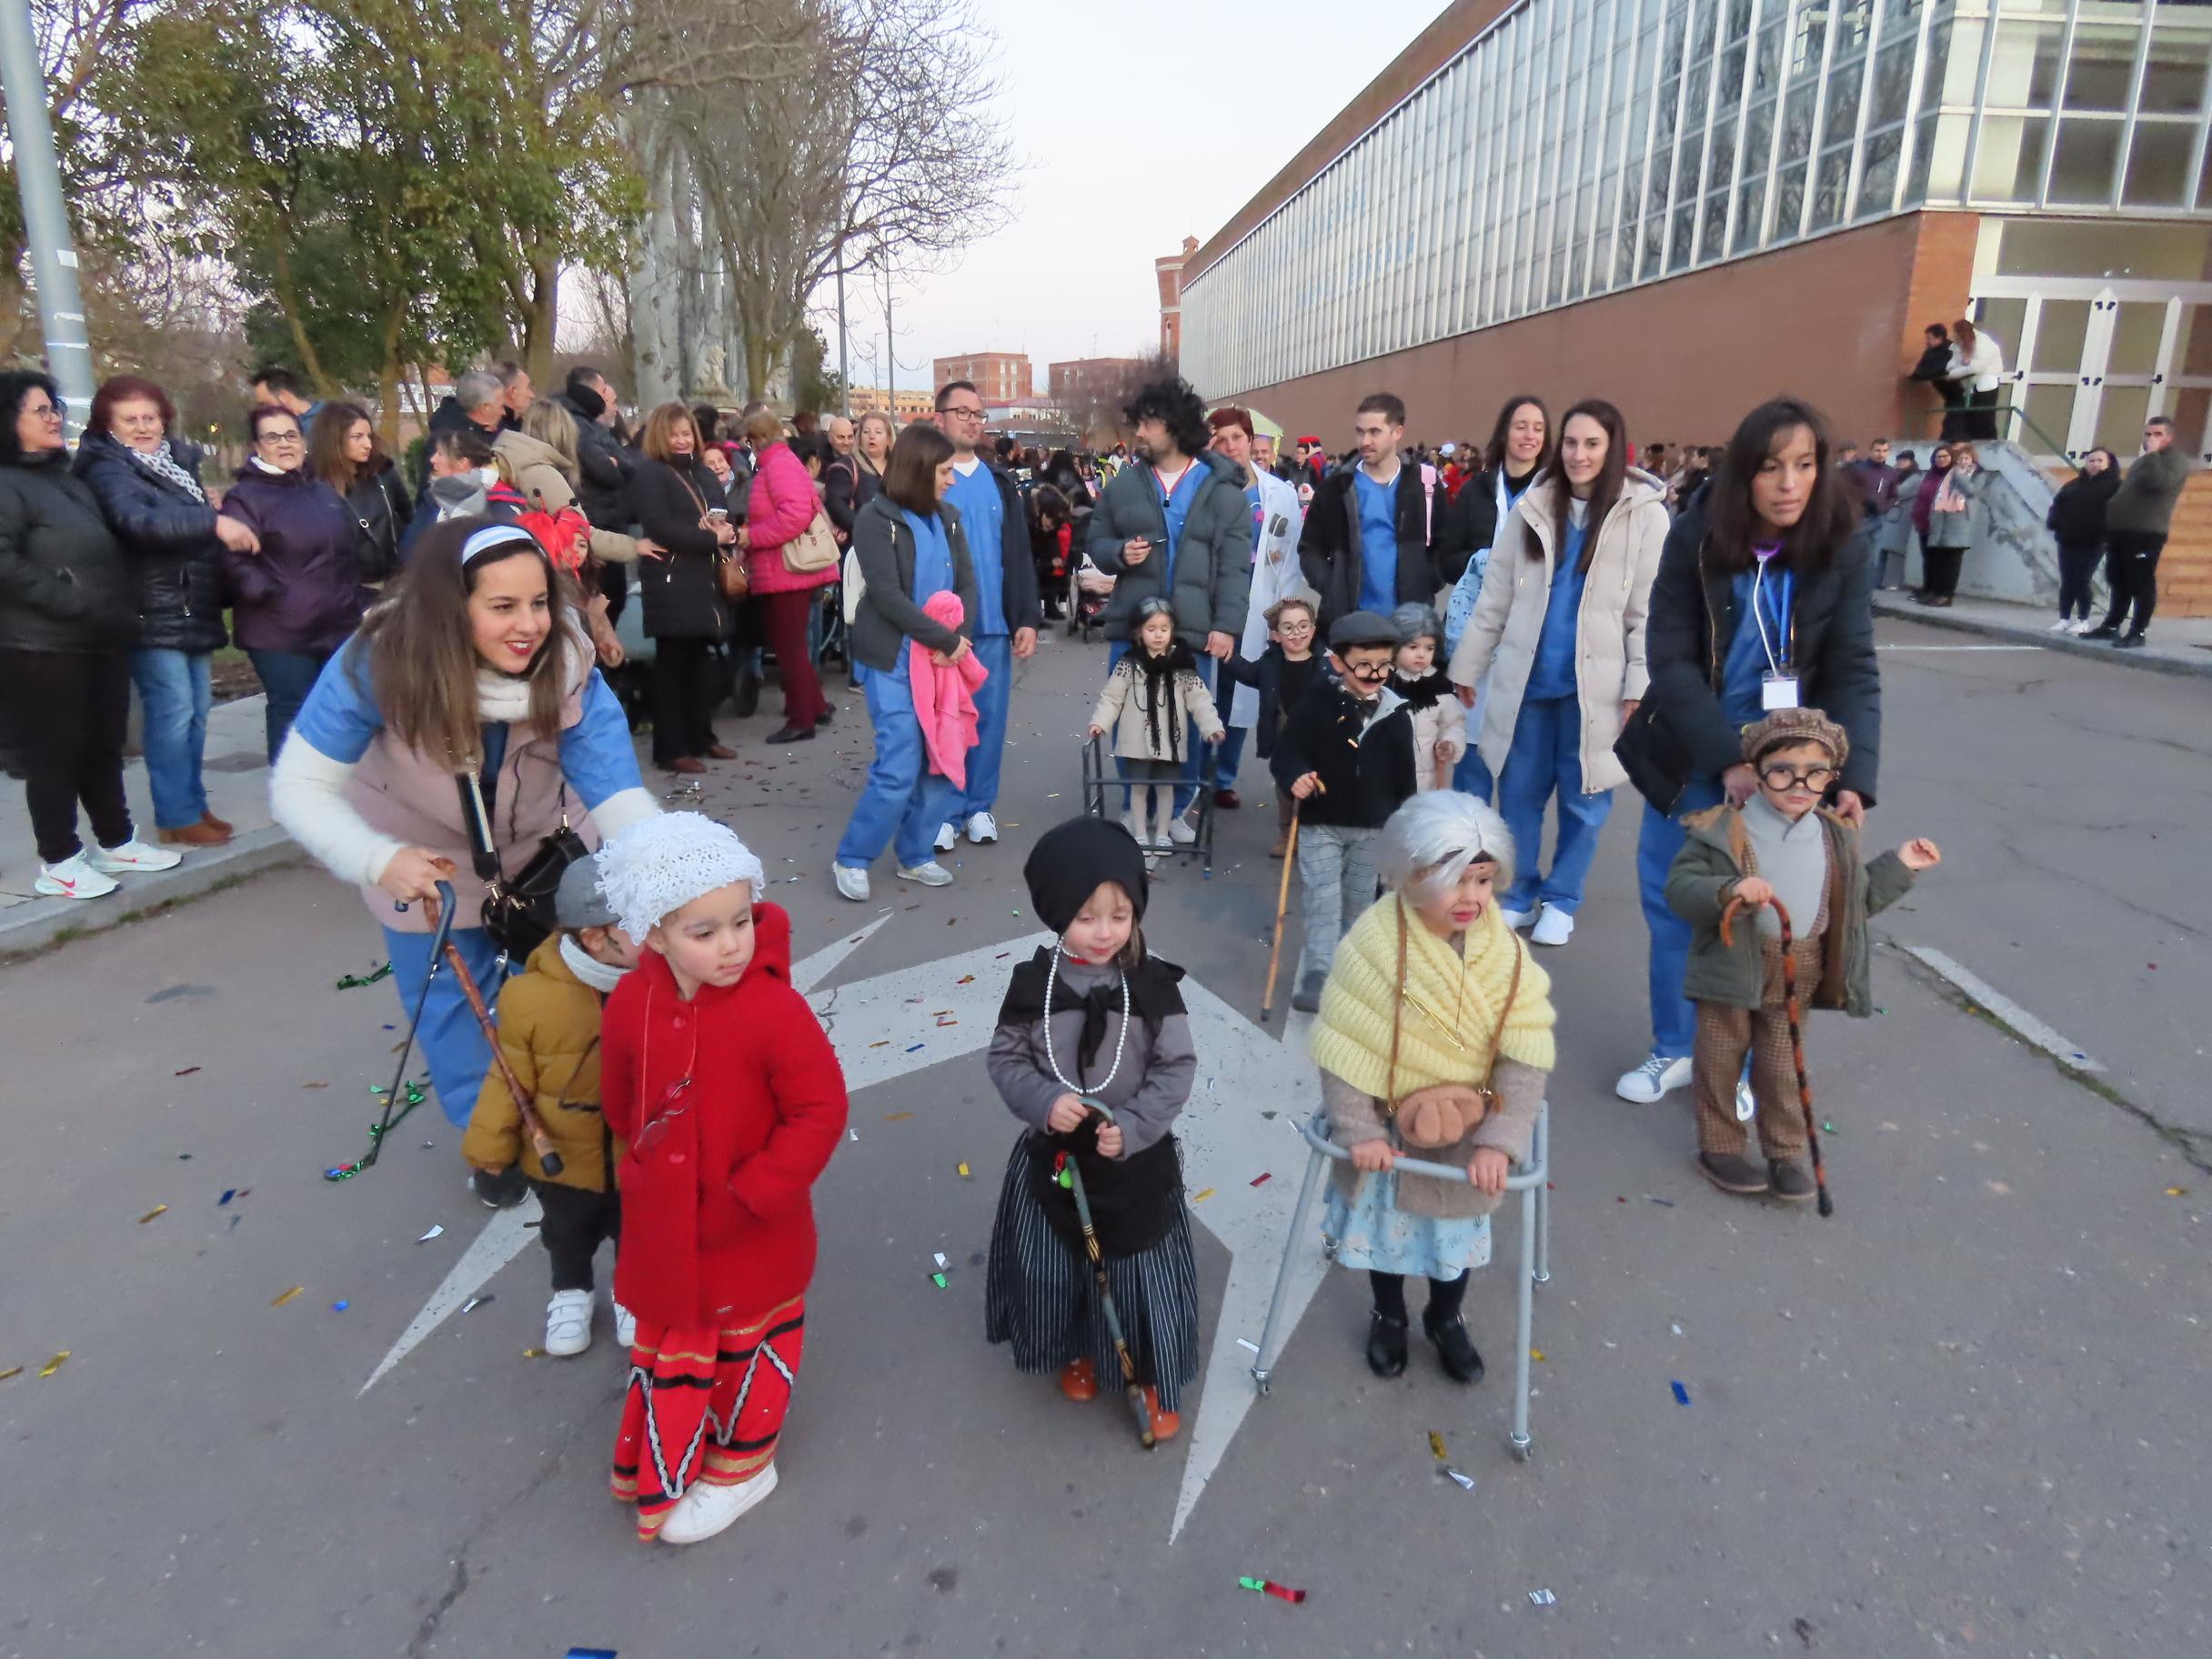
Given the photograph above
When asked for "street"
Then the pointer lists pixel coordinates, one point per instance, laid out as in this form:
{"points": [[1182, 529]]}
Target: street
{"points": [[1963, 1414]]}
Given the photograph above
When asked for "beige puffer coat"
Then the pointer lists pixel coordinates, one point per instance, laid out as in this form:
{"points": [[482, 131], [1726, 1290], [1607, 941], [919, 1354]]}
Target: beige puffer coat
{"points": [[546, 480], [1502, 636]]}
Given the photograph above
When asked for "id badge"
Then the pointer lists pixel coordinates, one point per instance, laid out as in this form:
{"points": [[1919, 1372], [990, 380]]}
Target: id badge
{"points": [[1778, 691]]}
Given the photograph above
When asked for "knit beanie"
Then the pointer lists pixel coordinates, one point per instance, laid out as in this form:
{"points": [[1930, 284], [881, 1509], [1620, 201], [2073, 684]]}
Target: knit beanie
{"points": [[1071, 860], [1788, 726], [660, 864], [578, 903]]}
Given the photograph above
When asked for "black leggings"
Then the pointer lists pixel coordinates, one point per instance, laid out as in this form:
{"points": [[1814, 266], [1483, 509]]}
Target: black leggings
{"points": [[2077, 565], [684, 694], [1445, 1296], [70, 711]]}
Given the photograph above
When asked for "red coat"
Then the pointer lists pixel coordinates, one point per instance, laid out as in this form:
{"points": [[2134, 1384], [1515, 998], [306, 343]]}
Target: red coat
{"points": [[718, 1217]]}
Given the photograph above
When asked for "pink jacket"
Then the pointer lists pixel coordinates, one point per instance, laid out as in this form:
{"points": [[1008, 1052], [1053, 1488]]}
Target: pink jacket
{"points": [[781, 503], [944, 697]]}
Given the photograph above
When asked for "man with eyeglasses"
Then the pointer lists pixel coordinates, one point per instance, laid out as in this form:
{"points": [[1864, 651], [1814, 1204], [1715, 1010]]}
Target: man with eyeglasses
{"points": [[2137, 520], [1007, 610]]}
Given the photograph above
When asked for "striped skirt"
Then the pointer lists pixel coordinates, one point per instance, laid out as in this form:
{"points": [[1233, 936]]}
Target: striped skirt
{"points": [[704, 1404], [1039, 1296]]}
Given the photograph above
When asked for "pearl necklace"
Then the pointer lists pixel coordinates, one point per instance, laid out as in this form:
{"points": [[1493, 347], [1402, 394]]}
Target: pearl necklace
{"points": [[1121, 1037]]}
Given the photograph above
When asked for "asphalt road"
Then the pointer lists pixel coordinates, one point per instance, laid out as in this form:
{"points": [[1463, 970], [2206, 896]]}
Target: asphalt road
{"points": [[1965, 1414]]}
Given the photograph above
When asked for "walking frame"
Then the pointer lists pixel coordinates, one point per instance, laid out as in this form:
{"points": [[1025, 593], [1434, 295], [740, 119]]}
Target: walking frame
{"points": [[1099, 777], [1530, 1181]]}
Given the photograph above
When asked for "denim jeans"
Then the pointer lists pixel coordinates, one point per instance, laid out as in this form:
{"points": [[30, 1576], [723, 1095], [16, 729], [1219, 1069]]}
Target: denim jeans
{"points": [[903, 802], [287, 677], [993, 699], [1227, 757], [177, 692], [1546, 757], [451, 1041], [1673, 1018], [1198, 762]]}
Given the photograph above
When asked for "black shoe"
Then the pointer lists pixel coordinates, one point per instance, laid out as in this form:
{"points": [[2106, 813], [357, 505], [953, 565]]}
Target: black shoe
{"points": [[1454, 1347], [1386, 1345], [499, 1189], [2108, 630], [1306, 999], [792, 734], [822, 718], [745, 699], [2129, 642]]}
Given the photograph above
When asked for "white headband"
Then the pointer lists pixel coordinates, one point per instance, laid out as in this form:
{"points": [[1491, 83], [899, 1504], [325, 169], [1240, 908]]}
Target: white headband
{"points": [[493, 536], [660, 864]]}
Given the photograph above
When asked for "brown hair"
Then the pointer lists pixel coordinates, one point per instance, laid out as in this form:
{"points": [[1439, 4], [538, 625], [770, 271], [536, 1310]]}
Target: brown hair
{"points": [[326, 446], [1273, 613], [1229, 414], [1606, 490], [1830, 518], [660, 424], [763, 427], [128, 389], [260, 416], [911, 479], [420, 658]]}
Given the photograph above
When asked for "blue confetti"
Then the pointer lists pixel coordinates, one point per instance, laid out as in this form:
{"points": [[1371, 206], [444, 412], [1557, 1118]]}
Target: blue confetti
{"points": [[339, 1307], [591, 1652], [915, 1049], [1681, 1395], [228, 1193]]}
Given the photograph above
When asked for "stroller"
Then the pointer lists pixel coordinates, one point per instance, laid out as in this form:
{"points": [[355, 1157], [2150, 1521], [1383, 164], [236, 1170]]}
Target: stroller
{"points": [[1089, 590]]}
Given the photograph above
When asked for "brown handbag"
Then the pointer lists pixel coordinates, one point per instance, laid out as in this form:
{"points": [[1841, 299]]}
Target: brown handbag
{"points": [[1442, 1114], [730, 573]]}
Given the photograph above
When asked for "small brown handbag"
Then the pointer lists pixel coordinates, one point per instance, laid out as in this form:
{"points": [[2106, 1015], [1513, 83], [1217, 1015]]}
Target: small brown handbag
{"points": [[1444, 1114], [729, 572]]}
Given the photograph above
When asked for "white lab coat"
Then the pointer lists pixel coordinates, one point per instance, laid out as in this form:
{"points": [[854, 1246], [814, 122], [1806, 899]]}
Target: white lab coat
{"points": [[1275, 576]]}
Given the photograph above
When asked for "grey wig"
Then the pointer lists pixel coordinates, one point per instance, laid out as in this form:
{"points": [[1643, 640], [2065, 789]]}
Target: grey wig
{"points": [[1430, 841]]}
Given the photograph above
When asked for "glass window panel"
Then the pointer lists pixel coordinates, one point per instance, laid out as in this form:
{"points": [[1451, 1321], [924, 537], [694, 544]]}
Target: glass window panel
{"points": [[1715, 228], [2004, 320], [1797, 120], [1686, 157], [1893, 82], [1686, 225], [1789, 202], [2193, 341], [1730, 90], [2158, 165], [1701, 33], [2120, 415], [1758, 138], [2073, 247], [2174, 76], [1701, 86], [2049, 409], [1751, 205], [2137, 329], [1878, 177], [1840, 125], [1721, 164], [1808, 43], [1654, 246], [2060, 330], [1828, 190], [2103, 63], [2022, 66], [1766, 57], [2088, 150], [1954, 50], [1625, 261], [2009, 164], [1739, 19]]}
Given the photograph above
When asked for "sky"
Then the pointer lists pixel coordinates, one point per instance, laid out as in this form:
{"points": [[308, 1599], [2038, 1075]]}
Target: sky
{"points": [[1156, 120]]}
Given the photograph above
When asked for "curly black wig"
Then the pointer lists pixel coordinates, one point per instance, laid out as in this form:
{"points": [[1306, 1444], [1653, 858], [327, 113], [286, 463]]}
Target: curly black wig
{"points": [[1175, 404]]}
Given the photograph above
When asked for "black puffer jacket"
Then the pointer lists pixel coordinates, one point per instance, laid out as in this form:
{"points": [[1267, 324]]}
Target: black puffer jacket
{"points": [[176, 561], [682, 595], [602, 470], [64, 579], [1470, 523], [2077, 511], [379, 504]]}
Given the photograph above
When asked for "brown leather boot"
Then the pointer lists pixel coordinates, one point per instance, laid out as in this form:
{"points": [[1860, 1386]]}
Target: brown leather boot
{"points": [[195, 835], [224, 824]]}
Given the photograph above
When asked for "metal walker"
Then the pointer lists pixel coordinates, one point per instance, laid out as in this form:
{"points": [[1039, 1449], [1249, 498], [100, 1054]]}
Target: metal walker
{"points": [[1099, 777], [1529, 1180]]}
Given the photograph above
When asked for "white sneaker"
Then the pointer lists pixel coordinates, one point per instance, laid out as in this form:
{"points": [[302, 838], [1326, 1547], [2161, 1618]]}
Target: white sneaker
{"points": [[133, 857], [982, 830], [568, 1322], [1554, 927], [2065, 625], [1180, 833], [706, 1509], [1516, 920], [625, 1327], [1655, 1078], [948, 838], [852, 883], [932, 874], [73, 877], [1746, 1106], [2081, 626]]}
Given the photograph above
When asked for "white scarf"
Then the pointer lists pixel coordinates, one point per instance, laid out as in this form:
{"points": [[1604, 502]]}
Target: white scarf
{"points": [[501, 697], [162, 464], [602, 976]]}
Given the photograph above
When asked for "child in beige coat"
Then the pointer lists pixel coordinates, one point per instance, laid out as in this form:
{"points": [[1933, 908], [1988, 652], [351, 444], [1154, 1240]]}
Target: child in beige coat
{"points": [[1151, 701], [1439, 724]]}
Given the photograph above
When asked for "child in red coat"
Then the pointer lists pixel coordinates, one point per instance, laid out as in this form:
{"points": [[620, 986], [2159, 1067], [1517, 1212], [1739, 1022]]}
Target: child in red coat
{"points": [[718, 1078]]}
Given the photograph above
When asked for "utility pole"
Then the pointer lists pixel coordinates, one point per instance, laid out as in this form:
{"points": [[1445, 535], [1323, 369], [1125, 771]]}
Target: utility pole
{"points": [[844, 370], [891, 357], [45, 217]]}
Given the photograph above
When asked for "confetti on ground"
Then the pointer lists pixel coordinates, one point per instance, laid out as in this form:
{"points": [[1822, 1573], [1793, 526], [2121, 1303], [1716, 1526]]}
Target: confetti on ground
{"points": [[12, 1371], [228, 1193], [881, 1042], [312, 1086], [1245, 1341], [916, 1049], [1803, 1630], [1543, 1598], [963, 1170], [1998, 1187], [1677, 1329], [356, 982], [1202, 1197], [53, 1364], [1465, 1483], [897, 1117], [1436, 1447], [1664, 1203], [1536, 1354], [188, 1071], [1681, 1395], [1258, 1179], [853, 1134], [474, 1302], [966, 978], [434, 1232], [533, 1353], [1826, 1128], [1280, 1591], [591, 1653], [940, 1257], [938, 1280], [942, 1023], [340, 1306], [287, 1296], [2177, 1192], [149, 1215]]}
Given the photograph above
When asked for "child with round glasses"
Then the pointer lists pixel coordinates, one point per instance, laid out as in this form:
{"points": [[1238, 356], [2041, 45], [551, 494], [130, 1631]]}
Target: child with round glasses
{"points": [[1780, 845]]}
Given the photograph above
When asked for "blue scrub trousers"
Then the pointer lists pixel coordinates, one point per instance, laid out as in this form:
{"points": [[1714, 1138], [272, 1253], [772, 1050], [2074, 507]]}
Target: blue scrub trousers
{"points": [[1673, 1018], [902, 802], [449, 1037], [993, 699], [1547, 759]]}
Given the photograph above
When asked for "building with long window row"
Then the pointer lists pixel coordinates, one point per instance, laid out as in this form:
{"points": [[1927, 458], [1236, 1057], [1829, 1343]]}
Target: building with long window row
{"points": [[1686, 206]]}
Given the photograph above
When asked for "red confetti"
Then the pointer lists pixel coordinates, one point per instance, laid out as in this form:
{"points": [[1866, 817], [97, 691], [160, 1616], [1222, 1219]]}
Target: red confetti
{"points": [[1262, 1179], [1284, 1593], [188, 1071]]}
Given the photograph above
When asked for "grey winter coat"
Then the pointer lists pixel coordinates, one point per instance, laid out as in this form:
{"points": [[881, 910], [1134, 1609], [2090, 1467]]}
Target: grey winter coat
{"points": [[1212, 582], [886, 618]]}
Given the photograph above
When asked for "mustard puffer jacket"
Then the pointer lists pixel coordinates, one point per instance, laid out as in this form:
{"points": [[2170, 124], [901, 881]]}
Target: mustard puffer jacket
{"points": [[549, 1033]]}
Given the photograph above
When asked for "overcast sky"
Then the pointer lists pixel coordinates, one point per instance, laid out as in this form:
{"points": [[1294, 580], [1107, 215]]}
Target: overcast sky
{"points": [[1150, 121]]}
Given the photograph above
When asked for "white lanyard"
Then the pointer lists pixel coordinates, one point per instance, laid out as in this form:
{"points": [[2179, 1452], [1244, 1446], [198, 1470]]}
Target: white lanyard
{"points": [[1758, 615]]}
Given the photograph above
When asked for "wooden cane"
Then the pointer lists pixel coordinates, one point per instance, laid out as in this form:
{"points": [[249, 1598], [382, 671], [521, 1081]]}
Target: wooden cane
{"points": [[1282, 903], [1132, 1391], [1789, 1001], [534, 1126]]}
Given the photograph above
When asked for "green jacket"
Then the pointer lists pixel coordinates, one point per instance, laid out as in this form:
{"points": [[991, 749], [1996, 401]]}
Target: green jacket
{"points": [[1716, 855]]}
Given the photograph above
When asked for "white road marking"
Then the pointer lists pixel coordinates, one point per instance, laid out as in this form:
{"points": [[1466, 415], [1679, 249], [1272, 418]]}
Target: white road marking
{"points": [[2028, 1025]]}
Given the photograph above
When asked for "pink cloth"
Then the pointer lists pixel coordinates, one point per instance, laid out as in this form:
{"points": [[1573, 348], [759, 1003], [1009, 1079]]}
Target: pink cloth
{"points": [[781, 503], [944, 695]]}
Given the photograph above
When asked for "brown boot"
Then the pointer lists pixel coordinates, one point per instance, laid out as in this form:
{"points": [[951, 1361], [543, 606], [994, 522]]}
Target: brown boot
{"points": [[195, 835], [1166, 1425], [1281, 849], [1079, 1380], [224, 824], [1790, 1181], [1733, 1172]]}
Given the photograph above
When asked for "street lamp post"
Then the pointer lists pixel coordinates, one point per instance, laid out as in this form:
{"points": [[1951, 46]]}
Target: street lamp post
{"points": [[46, 217]]}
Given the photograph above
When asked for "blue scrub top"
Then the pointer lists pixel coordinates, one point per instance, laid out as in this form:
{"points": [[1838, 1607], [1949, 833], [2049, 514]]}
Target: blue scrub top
{"points": [[1378, 543], [975, 496], [1553, 672]]}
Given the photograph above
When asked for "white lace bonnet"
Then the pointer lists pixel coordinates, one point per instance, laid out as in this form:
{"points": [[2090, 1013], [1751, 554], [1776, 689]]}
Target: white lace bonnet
{"points": [[660, 864]]}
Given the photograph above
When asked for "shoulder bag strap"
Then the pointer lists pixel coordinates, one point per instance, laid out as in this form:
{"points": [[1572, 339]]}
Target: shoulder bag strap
{"points": [[476, 821], [1497, 1036], [1397, 1019], [590, 1049]]}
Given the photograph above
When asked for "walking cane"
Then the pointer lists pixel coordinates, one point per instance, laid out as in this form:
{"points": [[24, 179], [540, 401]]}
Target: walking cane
{"points": [[533, 1125], [1282, 901], [383, 1125], [1789, 998], [1131, 1390]]}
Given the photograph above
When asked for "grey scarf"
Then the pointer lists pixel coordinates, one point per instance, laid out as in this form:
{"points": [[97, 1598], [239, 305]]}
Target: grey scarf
{"points": [[161, 463]]}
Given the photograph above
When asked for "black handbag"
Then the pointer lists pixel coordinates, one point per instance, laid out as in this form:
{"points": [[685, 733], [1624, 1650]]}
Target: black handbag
{"points": [[1651, 752], [518, 909]]}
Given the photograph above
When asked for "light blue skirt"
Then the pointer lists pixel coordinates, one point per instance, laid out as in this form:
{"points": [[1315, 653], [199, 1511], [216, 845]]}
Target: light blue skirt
{"points": [[1369, 1231]]}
